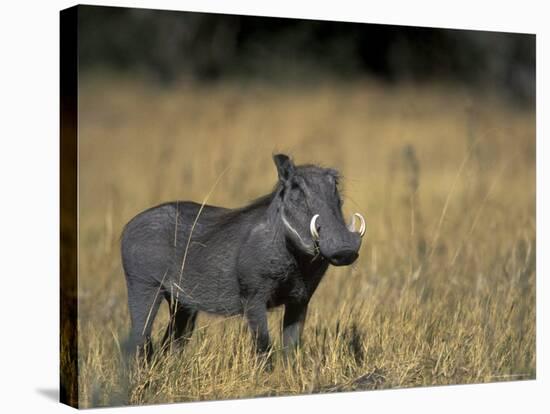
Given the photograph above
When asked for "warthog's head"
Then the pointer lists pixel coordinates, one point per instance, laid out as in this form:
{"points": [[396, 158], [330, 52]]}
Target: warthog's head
{"points": [[311, 211]]}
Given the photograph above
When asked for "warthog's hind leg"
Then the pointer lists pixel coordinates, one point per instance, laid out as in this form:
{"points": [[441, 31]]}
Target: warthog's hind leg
{"points": [[180, 328], [143, 303]]}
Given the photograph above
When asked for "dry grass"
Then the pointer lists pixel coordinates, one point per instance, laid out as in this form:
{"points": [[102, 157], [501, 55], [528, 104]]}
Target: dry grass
{"points": [[443, 292]]}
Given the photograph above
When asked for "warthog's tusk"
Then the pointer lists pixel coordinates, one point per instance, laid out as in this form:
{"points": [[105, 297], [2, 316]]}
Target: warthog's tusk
{"points": [[363, 226], [313, 227], [351, 225]]}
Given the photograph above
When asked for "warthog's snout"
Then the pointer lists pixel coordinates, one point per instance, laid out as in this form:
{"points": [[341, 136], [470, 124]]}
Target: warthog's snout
{"points": [[338, 244], [339, 254], [344, 258]]}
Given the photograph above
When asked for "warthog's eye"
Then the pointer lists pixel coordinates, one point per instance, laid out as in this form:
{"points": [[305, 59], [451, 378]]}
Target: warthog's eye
{"points": [[296, 193]]}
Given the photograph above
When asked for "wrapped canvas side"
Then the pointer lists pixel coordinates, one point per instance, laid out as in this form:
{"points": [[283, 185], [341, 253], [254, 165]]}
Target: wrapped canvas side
{"points": [[68, 207]]}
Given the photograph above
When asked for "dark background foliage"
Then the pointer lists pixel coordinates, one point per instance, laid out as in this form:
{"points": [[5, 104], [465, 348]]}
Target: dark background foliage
{"points": [[169, 45]]}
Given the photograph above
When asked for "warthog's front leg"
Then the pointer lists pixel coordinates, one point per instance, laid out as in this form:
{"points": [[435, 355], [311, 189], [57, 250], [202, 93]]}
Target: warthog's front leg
{"points": [[256, 314], [293, 324]]}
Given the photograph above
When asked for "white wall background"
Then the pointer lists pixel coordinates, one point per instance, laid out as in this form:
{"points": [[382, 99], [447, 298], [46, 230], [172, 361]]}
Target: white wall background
{"points": [[29, 194]]}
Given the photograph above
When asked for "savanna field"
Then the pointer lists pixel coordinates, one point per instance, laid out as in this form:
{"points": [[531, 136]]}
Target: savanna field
{"points": [[443, 291]]}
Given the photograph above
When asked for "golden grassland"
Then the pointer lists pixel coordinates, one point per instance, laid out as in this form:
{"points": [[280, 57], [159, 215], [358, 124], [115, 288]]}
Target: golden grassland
{"points": [[444, 288]]}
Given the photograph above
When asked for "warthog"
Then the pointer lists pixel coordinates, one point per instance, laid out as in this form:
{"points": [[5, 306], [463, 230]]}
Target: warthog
{"points": [[271, 252]]}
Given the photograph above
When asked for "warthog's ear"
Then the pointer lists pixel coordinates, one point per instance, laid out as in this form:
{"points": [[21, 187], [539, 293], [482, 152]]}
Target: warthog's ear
{"points": [[285, 166]]}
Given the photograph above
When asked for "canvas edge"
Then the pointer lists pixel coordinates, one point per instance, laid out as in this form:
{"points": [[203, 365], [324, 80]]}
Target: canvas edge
{"points": [[68, 344]]}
